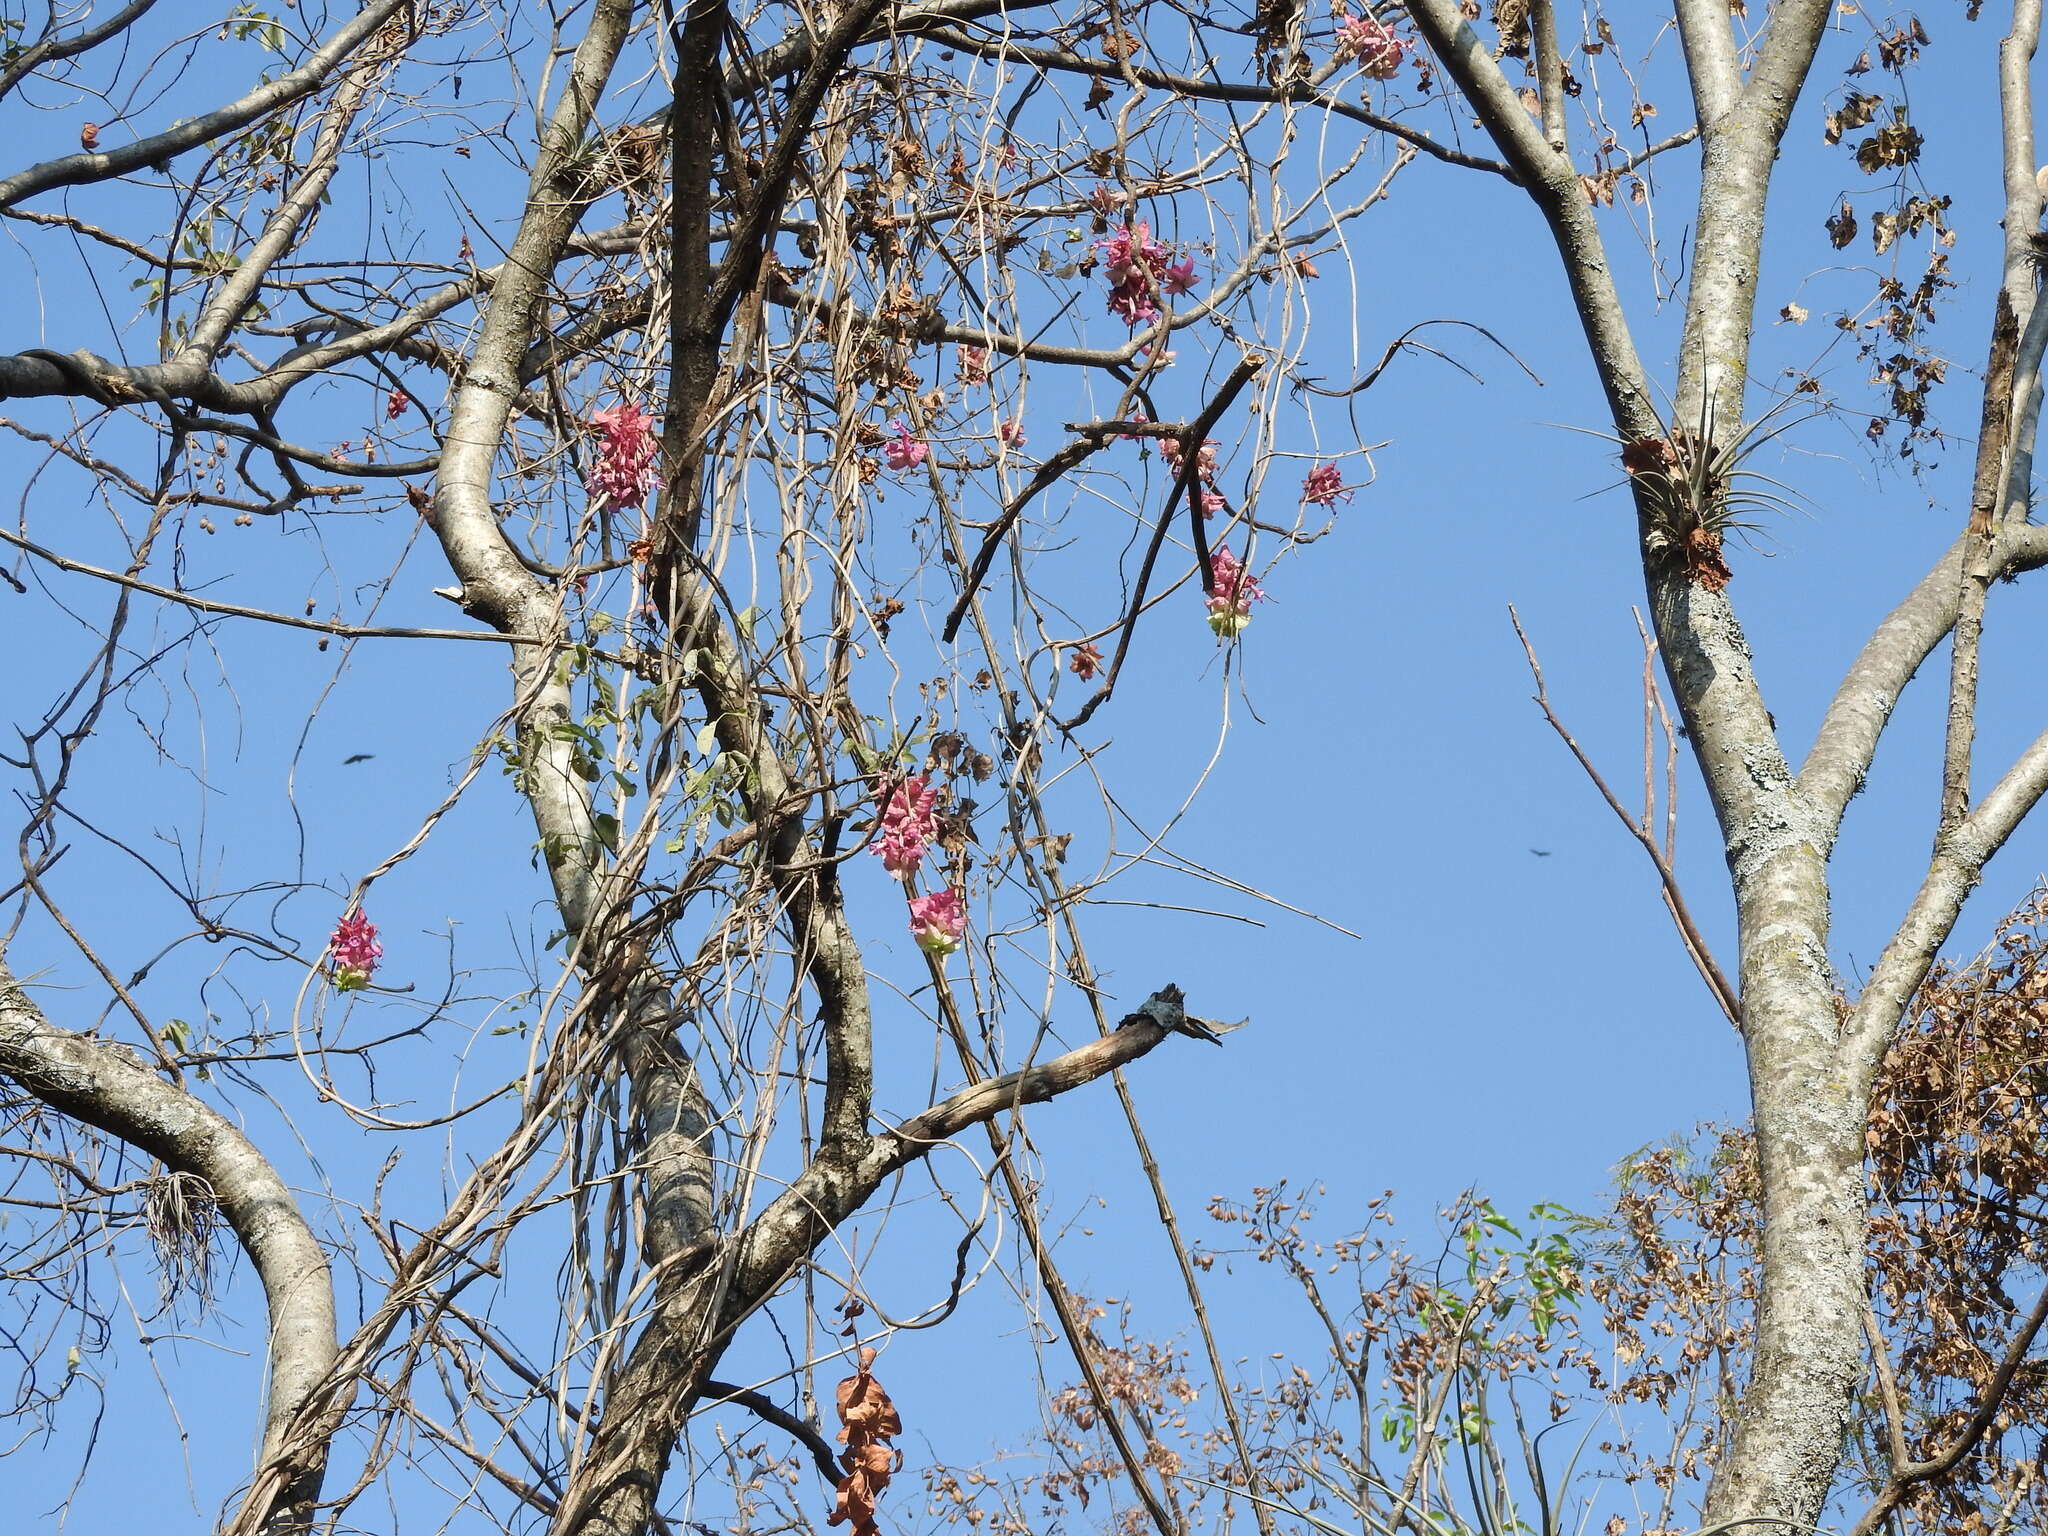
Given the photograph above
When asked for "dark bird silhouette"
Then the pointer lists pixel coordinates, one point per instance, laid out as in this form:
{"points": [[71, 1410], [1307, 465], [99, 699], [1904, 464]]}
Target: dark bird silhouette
{"points": [[360, 757], [1165, 1009], [1541, 853]]}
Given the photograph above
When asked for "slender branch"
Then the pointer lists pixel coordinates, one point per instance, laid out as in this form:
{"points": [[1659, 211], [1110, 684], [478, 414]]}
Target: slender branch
{"points": [[1247, 367], [1300, 93], [1549, 72], [1979, 538], [103, 165], [765, 1408], [237, 611], [1644, 833], [1862, 706], [51, 48], [1958, 863]]}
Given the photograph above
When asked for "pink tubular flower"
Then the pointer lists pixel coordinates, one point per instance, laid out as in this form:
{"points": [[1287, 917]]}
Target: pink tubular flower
{"points": [[396, 404], [1011, 432], [1205, 461], [1373, 44], [910, 820], [937, 921], [1324, 487], [904, 451], [1138, 268], [1231, 594], [1210, 498], [625, 458], [973, 366], [354, 951]]}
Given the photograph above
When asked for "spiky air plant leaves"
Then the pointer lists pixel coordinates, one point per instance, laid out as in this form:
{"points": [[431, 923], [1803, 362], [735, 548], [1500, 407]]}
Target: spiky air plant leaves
{"points": [[1695, 489]]}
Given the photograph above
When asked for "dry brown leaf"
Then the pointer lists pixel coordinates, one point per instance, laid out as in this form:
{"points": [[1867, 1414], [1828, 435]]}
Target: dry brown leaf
{"points": [[868, 1420]]}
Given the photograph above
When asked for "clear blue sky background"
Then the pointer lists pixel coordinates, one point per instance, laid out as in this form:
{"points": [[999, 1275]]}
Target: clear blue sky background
{"points": [[1502, 1020]]}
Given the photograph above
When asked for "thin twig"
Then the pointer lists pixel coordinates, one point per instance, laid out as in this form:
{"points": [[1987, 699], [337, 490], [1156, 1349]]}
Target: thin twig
{"points": [[1674, 898]]}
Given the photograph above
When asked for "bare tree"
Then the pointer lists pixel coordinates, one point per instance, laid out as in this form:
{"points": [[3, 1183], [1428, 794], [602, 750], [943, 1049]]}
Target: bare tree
{"points": [[699, 288], [700, 300]]}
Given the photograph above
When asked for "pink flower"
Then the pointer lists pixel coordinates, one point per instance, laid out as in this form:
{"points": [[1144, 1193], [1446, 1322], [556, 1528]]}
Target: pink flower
{"points": [[973, 366], [904, 451], [354, 952], [1011, 432], [396, 404], [1378, 51], [625, 458], [1212, 500], [910, 820], [1324, 487], [1205, 461], [1231, 593], [937, 921], [1138, 267]]}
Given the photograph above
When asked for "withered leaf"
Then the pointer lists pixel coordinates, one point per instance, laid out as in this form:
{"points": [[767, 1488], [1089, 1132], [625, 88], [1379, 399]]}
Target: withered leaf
{"points": [[1842, 227], [1647, 455], [1895, 144], [868, 1421], [1857, 110]]}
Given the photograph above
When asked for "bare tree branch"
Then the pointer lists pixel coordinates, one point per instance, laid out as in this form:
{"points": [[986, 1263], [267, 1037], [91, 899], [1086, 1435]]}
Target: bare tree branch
{"points": [[105, 1087]]}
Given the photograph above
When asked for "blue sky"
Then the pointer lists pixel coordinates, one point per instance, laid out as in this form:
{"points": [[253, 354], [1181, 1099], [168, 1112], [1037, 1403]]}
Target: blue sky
{"points": [[1500, 1019]]}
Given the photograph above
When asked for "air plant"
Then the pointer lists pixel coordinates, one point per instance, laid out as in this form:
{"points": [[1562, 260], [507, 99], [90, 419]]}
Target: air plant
{"points": [[1694, 488], [179, 1212]]}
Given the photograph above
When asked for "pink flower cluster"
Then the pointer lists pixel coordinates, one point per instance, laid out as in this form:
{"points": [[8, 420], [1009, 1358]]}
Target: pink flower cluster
{"points": [[396, 404], [904, 451], [910, 820], [625, 458], [1324, 487], [1205, 471], [354, 952], [973, 366], [937, 921], [1373, 44], [1139, 269], [1231, 593]]}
